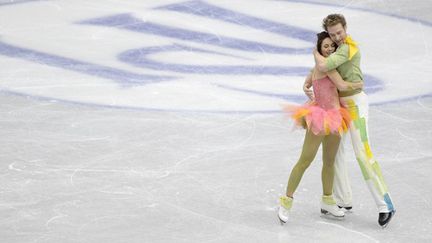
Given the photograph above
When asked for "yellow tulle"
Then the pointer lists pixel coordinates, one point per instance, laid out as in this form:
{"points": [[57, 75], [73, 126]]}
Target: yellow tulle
{"points": [[301, 112]]}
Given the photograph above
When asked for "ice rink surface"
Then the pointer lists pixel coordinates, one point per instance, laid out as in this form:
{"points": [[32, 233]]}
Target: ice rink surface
{"points": [[160, 121]]}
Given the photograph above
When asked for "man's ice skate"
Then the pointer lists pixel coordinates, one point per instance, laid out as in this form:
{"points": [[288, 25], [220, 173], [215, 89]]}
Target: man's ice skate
{"points": [[347, 207], [329, 207], [385, 217], [284, 208]]}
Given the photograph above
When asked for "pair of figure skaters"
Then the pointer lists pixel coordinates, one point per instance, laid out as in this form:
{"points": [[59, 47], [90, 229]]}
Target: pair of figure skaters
{"points": [[337, 105]]}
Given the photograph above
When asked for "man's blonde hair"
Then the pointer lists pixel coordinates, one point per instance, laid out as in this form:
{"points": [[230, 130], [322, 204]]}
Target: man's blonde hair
{"points": [[333, 19]]}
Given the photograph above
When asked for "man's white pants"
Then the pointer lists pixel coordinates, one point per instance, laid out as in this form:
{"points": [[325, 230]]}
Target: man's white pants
{"points": [[358, 106], [341, 186]]}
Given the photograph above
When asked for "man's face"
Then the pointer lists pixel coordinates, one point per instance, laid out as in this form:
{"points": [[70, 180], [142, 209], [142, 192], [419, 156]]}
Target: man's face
{"points": [[337, 33]]}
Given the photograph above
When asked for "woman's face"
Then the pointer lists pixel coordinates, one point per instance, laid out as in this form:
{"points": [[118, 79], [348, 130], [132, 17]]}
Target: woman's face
{"points": [[327, 47]]}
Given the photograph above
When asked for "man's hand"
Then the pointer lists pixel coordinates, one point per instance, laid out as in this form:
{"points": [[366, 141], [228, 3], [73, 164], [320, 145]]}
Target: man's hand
{"points": [[357, 84]]}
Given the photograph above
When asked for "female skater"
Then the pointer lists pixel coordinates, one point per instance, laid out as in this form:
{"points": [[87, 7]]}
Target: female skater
{"points": [[325, 120]]}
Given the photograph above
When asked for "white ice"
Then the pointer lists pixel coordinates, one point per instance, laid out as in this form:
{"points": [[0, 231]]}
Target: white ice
{"points": [[85, 158]]}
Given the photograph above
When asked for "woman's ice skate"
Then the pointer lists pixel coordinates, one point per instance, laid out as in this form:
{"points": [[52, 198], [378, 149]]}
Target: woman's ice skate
{"points": [[329, 207], [284, 208]]}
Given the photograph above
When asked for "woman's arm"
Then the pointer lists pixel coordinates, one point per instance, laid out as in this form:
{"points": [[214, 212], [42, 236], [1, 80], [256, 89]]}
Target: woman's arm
{"points": [[307, 86], [341, 84], [319, 61]]}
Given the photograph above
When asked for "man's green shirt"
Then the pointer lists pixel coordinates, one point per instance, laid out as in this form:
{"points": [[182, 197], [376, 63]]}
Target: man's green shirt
{"points": [[348, 69]]}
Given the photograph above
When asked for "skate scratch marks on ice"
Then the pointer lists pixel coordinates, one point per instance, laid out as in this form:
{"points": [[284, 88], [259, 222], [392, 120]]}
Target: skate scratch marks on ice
{"points": [[224, 222], [353, 231]]}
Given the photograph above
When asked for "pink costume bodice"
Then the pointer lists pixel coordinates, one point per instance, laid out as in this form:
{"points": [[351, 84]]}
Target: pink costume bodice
{"points": [[326, 94]]}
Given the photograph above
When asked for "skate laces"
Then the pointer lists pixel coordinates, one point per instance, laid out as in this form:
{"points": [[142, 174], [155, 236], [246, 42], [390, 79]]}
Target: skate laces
{"points": [[286, 202], [329, 200]]}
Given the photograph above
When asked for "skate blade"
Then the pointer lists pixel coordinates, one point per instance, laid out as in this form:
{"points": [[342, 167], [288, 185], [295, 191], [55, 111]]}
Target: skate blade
{"points": [[326, 214], [281, 221], [385, 226], [346, 209]]}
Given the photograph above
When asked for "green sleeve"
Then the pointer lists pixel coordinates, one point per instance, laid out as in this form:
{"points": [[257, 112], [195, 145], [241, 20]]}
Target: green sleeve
{"points": [[338, 58]]}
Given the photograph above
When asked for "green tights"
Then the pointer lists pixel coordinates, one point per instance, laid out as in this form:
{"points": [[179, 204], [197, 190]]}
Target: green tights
{"points": [[310, 147]]}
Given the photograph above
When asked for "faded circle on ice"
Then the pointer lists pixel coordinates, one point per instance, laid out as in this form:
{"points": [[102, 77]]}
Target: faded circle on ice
{"points": [[211, 56]]}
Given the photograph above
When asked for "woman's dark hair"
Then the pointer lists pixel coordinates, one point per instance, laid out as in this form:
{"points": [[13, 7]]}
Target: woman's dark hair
{"points": [[321, 36]]}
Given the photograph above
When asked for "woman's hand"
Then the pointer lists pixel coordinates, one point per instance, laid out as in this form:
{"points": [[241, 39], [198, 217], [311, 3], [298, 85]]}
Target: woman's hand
{"points": [[307, 89]]}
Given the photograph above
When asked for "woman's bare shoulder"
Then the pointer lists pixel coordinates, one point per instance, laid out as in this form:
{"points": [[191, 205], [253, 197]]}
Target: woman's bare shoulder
{"points": [[316, 74]]}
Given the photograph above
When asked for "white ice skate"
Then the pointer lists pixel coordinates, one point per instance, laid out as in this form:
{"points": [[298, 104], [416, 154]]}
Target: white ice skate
{"points": [[329, 207], [284, 208]]}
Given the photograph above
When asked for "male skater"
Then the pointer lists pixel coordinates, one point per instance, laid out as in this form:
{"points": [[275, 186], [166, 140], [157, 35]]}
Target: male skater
{"points": [[346, 60]]}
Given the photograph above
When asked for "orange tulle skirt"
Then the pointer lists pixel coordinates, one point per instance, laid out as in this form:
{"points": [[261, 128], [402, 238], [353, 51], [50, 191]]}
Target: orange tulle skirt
{"points": [[318, 120]]}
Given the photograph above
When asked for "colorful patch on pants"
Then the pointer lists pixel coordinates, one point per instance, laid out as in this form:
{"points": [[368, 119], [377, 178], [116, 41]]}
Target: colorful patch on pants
{"points": [[389, 202]]}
